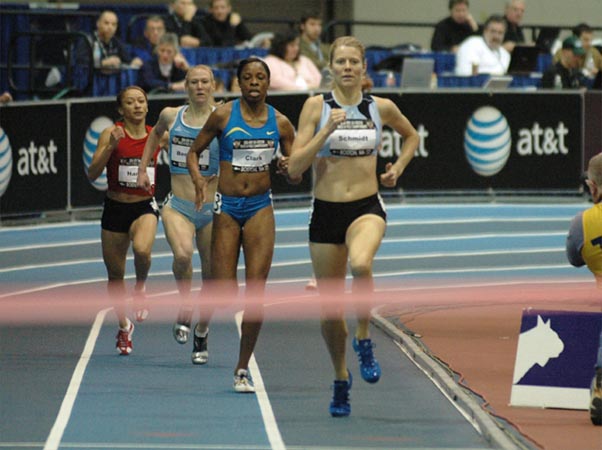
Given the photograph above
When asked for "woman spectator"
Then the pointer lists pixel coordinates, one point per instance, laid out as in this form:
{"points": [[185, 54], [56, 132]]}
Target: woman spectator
{"points": [[165, 72], [290, 70]]}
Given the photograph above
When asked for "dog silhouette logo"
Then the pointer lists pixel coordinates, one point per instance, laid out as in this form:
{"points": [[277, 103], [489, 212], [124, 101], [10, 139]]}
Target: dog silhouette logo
{"points": [[536, 346]]}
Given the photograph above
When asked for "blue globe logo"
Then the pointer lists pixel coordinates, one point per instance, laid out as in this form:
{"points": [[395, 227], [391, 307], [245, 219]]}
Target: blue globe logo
{"points": [[6, 162], [96, 127], [487, 141]]}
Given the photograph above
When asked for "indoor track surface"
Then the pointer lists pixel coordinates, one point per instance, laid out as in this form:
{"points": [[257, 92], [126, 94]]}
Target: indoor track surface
{"points": [[63, 385]]}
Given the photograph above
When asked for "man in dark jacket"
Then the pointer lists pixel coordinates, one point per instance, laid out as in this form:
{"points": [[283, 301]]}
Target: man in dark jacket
{"points": [[224, 27], [565, 74], [451, 31], [180, 21]]}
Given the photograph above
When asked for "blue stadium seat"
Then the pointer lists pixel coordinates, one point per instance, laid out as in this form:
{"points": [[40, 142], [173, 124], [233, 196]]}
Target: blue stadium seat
{"points": [[450, 80]]}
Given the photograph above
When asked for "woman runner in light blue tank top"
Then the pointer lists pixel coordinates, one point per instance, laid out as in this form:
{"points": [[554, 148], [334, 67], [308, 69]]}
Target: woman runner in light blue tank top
{"points": [[250, 131], [339, 133], [183, 224]]}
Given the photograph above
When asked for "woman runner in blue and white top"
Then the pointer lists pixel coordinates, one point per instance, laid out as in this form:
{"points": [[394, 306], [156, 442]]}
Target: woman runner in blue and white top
{"points": [[183, 224], [249, 131], [340, 133]]}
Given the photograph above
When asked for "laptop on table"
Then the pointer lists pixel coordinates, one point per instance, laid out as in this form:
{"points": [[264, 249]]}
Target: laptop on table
{"points": [[523, 60], [497, 82], [417, 73]]}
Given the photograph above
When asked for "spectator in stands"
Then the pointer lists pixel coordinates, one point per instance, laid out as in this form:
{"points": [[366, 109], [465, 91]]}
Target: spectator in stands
{"points": [[163, 73], [189, 30], [193, 12], [565, 74], [591, 64], [451, 31], [484, 54], [108, 51], [225, 27], [513, 16], [290, 71], [310, 44], [5, 97], [144, 47]]}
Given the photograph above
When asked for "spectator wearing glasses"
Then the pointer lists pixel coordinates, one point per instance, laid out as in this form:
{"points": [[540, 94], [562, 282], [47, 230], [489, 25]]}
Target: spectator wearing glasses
{"points": [[485, 53]]}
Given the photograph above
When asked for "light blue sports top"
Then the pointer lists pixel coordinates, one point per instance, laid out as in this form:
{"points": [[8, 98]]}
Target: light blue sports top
{"points": [[359, 135], [249, 149], [181, 137]]}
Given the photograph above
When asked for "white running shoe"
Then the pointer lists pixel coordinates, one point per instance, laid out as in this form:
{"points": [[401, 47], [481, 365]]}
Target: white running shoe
{"points": [[242, 384], [200, 354], [181, 332], [124, 340]]}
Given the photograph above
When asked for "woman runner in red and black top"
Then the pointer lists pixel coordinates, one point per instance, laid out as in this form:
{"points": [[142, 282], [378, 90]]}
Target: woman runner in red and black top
{"points": [[130, 213]]}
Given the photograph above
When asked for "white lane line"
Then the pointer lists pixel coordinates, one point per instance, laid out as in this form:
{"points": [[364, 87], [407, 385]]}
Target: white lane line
{"points": [[136, 446], [269, 420], [62, 419], [40, 245], [161, 255]]}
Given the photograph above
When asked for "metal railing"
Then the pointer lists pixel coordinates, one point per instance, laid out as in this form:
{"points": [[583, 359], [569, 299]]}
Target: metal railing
{"points": [[34, 65]]}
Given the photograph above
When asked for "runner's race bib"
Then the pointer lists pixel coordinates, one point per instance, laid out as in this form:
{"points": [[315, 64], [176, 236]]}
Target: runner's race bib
{"points": [[353, 137], [128, 172], [252, 155], [180, 146]]}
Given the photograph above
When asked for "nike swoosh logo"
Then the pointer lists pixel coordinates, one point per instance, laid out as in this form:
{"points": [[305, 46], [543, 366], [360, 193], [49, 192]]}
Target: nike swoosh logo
{"points": [[233, 130], [269, 133]]}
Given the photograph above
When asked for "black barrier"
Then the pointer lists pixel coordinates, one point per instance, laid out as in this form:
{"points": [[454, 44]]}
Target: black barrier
{"points": [[33, 159], [525, 141], [290, 105], [469, 141]]}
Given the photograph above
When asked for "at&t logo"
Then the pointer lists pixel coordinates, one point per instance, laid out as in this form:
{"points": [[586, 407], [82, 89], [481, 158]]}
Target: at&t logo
{"points": [[6, 162], [487, 141], [96, 127]]}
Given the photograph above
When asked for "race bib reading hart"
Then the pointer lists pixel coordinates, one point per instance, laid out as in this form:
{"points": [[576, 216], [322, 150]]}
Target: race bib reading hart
{"points": [[128, 172]]}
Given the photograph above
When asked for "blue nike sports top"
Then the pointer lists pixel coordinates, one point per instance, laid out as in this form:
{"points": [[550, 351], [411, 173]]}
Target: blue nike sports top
{"points": [[249, 149]]}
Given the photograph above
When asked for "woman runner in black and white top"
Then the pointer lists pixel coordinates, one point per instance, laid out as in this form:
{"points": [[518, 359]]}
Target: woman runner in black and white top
{"points": [[340, 132]]}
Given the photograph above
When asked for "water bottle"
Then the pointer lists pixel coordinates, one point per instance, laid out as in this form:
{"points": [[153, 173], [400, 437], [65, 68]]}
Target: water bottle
{"points": [[390, 81], [557, 82], [96, 54], [589, 66]]}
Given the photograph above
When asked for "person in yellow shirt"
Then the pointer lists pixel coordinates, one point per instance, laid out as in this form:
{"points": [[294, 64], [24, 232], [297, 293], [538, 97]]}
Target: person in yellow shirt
{"points": [[584, 247]]}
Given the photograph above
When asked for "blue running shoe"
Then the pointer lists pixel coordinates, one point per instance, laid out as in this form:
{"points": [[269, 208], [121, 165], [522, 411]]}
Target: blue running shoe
{"points": [[369, 367], [339, 406]]}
